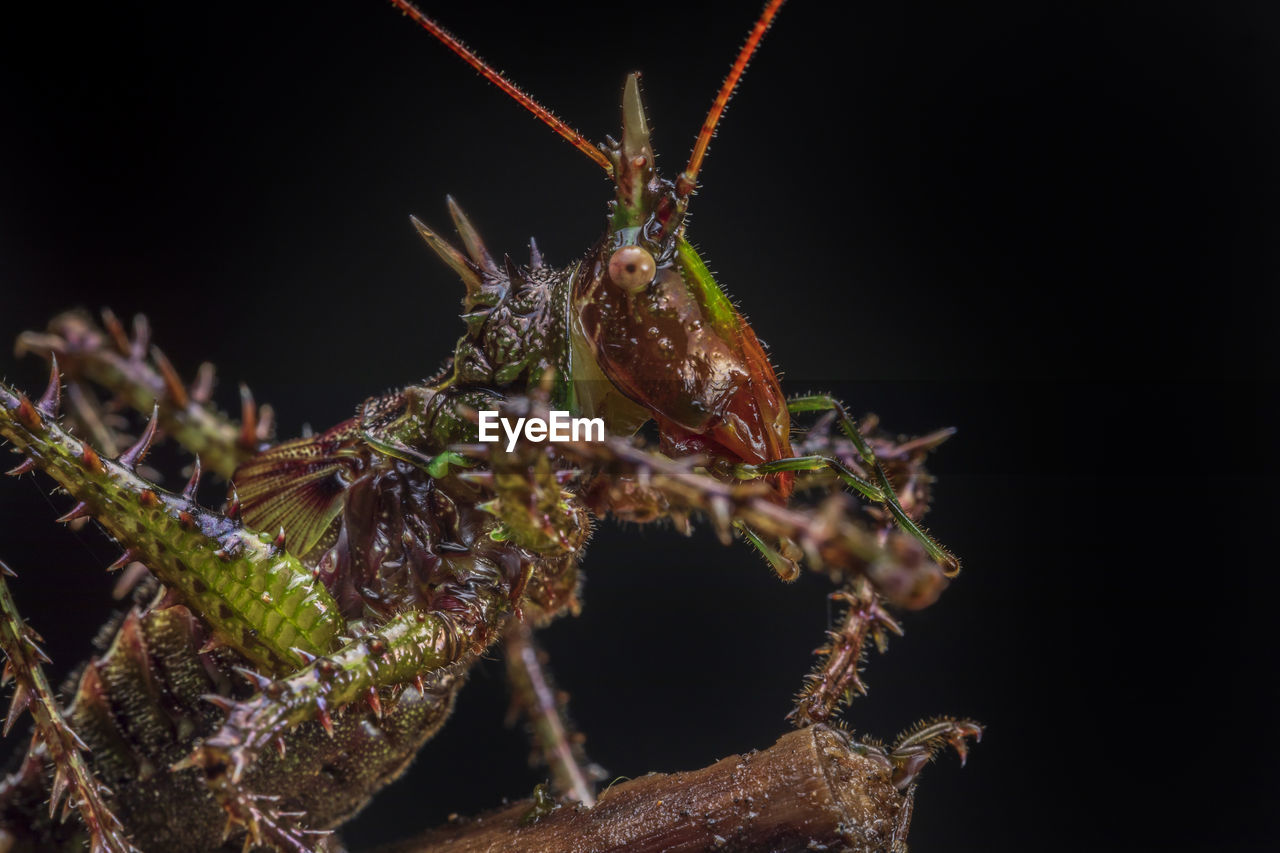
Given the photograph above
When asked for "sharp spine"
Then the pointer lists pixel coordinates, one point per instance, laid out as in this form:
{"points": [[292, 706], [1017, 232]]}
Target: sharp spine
{"points": [[471, 238], [52, 397], [172, 382], [193, 483], [131, 457], [80, 510]]}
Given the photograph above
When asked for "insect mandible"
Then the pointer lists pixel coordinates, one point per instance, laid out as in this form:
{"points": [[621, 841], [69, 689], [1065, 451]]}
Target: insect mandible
{"points": [[301, 561]]}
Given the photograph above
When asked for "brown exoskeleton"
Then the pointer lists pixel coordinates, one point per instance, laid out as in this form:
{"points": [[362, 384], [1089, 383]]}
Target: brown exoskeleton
{"points": [[294, 649]]}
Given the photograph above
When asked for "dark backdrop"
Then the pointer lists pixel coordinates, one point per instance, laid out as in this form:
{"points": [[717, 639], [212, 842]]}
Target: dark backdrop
{"points": [[1051, 227]]}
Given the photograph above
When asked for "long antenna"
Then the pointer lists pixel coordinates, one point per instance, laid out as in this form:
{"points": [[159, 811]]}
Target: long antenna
{"points": [[577, 140], [689, 177]]}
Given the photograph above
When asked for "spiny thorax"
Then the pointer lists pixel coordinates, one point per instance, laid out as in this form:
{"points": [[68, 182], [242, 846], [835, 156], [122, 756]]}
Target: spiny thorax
{"points": [[516, 331]]}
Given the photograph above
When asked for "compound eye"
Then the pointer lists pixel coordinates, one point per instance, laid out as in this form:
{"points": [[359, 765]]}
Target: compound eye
{"points": [[632, 268]]}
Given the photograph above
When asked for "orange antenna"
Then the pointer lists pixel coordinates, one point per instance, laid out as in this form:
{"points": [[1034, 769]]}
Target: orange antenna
{"points": [[689, 177], [577, 140]]}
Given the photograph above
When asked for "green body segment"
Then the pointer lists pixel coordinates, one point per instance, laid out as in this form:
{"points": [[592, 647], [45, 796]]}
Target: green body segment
{"points": [[717, 306], [407, 647], [259, 599]]}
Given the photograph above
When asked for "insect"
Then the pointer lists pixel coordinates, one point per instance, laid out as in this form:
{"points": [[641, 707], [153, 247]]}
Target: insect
{"points": [[351, 577]]}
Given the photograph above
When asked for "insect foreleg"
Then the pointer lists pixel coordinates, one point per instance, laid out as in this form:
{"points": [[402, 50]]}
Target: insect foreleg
{"points": [[879, 488], [648, 485], [139, 374], [53, 735]]}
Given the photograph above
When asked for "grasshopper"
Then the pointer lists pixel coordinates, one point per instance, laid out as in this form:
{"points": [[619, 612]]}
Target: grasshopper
{"points": [[290, 651]]}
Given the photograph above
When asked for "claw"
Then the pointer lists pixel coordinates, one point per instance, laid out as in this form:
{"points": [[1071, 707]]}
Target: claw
{"points": [[919, 745]]}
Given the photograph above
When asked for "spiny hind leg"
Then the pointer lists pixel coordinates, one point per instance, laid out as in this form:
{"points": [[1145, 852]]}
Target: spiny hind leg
{"points": [[298, 748], [53, 738], [838, 677], [138, 376], [535, 697], [875, 486]]}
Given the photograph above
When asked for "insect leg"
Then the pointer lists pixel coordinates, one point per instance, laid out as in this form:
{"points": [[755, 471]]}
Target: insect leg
{"points": [[837, 679], [877, 488], [535, 697], [403, 651], [139, 374], [415, 651], [916, 747], [23, 658], [641, 485], [257, 597]]}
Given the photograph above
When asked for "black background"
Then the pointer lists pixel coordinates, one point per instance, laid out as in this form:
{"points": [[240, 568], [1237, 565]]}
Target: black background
{"points": [[1051, 225]]}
